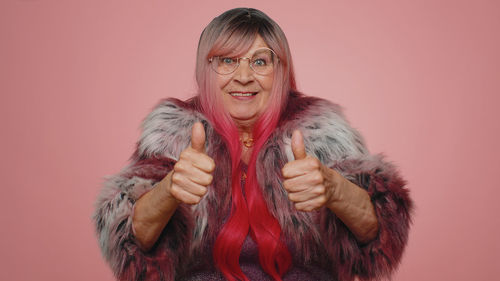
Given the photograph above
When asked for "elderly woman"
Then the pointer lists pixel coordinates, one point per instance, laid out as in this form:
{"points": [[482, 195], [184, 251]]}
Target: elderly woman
{"points": [[251, 180]]}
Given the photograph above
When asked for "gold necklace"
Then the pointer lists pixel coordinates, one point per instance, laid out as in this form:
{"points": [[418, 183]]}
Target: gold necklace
{"points": [[248, 142]]}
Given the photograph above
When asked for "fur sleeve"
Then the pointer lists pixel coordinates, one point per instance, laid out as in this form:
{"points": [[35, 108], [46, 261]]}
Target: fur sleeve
{"points": [[328, 136], [153, 159], [393, 207]]}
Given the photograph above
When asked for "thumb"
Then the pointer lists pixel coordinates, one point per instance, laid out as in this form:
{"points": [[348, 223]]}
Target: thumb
{"points": [[198, 137], [298, 148]]}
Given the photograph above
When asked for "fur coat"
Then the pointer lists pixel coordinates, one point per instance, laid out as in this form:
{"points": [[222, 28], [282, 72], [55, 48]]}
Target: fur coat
{"points": [[317, 237]]}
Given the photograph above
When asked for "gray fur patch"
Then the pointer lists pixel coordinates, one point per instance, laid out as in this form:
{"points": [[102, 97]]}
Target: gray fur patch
{"points": [[167, 130]]}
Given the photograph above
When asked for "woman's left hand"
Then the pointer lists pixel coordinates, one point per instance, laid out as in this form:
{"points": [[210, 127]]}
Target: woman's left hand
{"points": [[309, 183]]}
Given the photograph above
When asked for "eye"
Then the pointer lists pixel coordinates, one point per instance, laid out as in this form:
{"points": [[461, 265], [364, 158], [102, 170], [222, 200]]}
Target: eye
{"points": [[260, 62], [226, 60]]}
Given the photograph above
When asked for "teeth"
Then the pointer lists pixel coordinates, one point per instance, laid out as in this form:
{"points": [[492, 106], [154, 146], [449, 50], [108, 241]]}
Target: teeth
{"points": [[241, 94]]}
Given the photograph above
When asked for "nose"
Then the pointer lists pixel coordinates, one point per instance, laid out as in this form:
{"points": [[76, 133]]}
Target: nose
{"points": [[244, 74]]}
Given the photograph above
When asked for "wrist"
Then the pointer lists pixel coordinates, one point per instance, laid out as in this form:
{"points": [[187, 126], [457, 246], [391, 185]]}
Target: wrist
{"points": [[339, 190], [163, 187], [162, 193]]}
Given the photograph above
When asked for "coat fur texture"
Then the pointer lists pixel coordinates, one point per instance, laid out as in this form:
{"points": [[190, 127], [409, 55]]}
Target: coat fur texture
{"points": [[317, 237]]}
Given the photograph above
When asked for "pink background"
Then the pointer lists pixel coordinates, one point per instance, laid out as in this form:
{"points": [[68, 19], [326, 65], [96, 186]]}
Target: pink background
{"points": [[419, 79]]}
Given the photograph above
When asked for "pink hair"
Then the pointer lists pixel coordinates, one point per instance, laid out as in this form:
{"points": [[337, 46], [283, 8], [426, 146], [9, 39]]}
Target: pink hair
{"points": [[232, 33]]}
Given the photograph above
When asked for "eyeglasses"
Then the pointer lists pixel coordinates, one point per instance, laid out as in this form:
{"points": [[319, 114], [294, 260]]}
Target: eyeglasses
{"points": [[262, 62]]}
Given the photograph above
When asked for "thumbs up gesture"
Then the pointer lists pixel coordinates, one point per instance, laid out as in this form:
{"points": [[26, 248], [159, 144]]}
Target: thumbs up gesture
{"points": [[309, 183], [193, 172]]}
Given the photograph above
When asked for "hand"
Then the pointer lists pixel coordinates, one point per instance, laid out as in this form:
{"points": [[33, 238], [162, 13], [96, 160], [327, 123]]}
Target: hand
{"points": [[309, 183], [193, 172]]}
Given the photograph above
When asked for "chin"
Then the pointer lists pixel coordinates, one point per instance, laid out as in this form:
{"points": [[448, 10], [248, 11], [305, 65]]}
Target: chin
{"points": [[244, 118]]}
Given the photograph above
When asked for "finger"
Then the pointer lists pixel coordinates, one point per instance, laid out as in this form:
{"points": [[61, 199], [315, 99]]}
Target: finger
{"points": [[308, 194], [312, 204], [295, 184], [184, 196], [300, 183], [298, 148], [300, 167], [193, 173], [180, 182], [198, 159], [198, 137]]}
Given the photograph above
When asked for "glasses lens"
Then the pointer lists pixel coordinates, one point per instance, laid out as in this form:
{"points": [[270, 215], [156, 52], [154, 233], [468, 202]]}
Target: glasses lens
{"points": [[263, 61], [224, 65]]}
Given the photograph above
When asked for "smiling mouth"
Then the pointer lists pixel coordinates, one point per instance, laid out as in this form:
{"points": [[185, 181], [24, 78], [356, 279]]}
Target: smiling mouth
{"points": [[242, 94]]}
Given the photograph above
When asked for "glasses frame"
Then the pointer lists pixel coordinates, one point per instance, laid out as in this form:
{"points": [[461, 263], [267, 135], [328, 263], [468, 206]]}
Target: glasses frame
{"points": [[210, 60]]}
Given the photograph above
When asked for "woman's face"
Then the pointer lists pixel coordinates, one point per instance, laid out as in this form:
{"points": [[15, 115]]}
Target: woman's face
{"points": [[245, 93]]}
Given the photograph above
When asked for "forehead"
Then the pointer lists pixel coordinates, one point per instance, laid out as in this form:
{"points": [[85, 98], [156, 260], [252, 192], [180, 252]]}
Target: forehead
{"points": [[257, 44], [243, 50]]}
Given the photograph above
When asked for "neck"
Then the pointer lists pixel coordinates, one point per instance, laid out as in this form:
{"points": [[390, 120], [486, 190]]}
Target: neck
{"points": [[244, 135], [246, 141], [245, 129]]}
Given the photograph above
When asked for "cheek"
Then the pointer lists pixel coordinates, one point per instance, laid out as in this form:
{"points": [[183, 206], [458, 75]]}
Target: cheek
{"points": [[266, 83], [221, 82]]}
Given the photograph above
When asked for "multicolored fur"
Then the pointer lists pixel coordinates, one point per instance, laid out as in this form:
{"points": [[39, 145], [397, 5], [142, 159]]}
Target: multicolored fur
{"points": [[316, 237]]}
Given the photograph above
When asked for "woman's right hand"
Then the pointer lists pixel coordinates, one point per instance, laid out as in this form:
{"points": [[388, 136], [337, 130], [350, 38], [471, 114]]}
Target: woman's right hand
{"points": [[186, 183], [192, 174]]}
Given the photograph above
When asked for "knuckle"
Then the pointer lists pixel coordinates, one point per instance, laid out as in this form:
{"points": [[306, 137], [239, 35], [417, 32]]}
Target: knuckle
{"points": [[286, 185], [196, 200], [285, 172], [211, 166], [317, 177], [204, 191], [184, 154], [322, 200], [314, 162], [209, 179], [176, 178], [179, 166], [320, 190], [186, 199], [174, 192]]}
